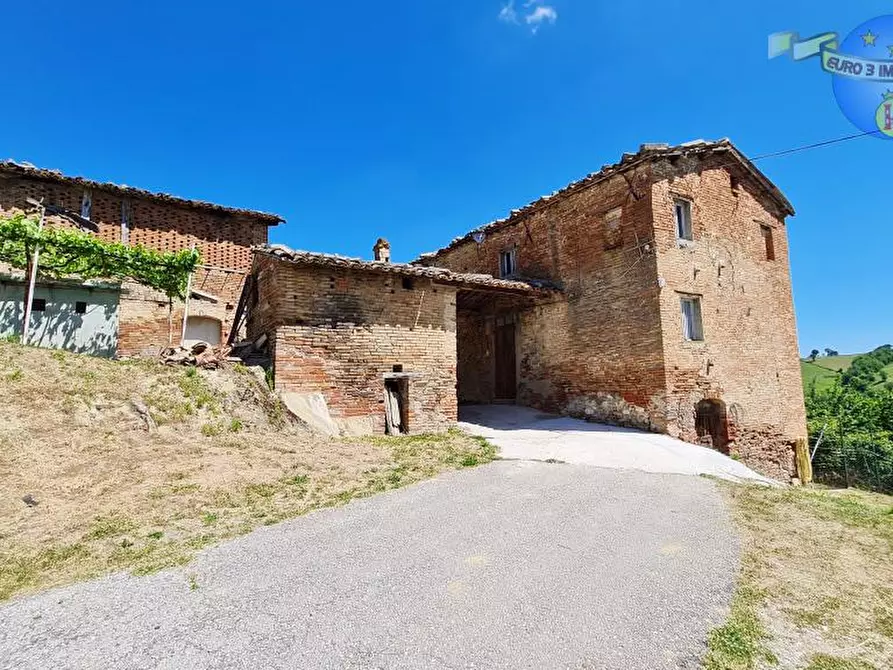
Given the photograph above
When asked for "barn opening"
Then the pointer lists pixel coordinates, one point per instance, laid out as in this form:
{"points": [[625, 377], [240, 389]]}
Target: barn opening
{"points": [[488, 340]]}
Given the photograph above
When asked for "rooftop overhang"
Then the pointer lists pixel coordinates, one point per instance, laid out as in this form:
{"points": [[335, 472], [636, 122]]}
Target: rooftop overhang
{"points": [[481, 299]]}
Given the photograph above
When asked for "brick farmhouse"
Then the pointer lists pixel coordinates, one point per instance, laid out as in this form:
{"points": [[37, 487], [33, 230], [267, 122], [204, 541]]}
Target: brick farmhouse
{"points": [[658, 296], [127, 318], [654, 293]]}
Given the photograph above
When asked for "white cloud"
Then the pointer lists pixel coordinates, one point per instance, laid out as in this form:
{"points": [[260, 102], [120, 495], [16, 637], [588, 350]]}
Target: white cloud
{"points": [[541, 14], [534, 12], [508, 13]]}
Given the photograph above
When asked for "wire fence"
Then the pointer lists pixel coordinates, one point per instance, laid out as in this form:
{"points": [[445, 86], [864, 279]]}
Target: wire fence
{"points": [[860, 461]]}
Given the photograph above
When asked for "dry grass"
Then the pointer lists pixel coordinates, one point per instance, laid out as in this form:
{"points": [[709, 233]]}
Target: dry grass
{"points": [[816, 587], [114, 495]]}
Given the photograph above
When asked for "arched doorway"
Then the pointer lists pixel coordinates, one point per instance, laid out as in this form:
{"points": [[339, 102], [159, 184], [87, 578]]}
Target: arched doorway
{"points": [[712, 424]]}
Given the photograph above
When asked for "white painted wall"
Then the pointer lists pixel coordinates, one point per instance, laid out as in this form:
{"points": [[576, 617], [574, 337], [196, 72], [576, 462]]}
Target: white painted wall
{"points": [[60, 326]]}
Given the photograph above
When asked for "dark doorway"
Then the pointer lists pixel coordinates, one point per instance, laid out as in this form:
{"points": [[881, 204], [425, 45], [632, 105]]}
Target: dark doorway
{"points": [[505, 387], [396, 396], [712, 425]]}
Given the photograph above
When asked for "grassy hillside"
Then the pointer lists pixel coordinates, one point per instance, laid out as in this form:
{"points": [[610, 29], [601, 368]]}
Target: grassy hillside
{"points": [[110, 465], [825, 369]]}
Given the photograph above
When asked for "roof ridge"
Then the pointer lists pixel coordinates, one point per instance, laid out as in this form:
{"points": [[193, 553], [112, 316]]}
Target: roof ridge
{"points": [[285, 253], [646, 152], [29, 169]]}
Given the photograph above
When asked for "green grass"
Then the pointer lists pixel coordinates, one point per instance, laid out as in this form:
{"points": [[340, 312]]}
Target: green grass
{"points": [[825, 369], [793, 583], [836, 363], [740, 643], [827, 662]]}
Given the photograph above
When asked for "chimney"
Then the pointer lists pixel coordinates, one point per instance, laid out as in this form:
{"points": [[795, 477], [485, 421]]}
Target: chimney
{"points": [[382, 250]]}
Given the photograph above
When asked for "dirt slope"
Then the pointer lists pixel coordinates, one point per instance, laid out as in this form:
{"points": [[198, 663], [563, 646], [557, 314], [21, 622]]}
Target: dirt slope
{"points": [[217, 458]]}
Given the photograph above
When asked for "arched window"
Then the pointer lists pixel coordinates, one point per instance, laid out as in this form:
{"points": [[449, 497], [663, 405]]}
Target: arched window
{"points": [[202, 329]]}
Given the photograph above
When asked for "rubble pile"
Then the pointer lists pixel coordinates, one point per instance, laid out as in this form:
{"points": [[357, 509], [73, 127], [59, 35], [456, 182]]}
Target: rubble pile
{"points": [[204, 355], [200, 355]]}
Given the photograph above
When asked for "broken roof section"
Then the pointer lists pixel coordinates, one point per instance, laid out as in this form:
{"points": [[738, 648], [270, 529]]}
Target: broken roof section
{"points": [[27, 170], [646, 153], [438, 275]]}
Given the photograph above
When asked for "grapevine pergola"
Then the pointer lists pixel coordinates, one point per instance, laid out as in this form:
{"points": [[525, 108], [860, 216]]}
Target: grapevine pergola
{"points": [[67, 252]]}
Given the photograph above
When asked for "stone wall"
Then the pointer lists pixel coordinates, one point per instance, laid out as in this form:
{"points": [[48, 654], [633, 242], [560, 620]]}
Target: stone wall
{"points": [[340, 333], [223, 240], [748, 358]]}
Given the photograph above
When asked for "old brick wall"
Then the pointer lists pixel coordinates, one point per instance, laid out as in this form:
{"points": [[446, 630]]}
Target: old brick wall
{"points": [[598, 352], [223, 240], [748, 358], [339, 333]]}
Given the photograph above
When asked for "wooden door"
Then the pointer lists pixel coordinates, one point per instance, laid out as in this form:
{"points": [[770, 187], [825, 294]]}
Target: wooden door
{"points": [[505, 386]]}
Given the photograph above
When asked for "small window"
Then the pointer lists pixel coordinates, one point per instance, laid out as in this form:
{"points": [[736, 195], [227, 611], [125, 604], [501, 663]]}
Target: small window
{"points": [[38, 305], [692, 328], [767, 241], [87, 205], [80, 307], [613, 232], [683, 219], [408, 283], [507, 263]]}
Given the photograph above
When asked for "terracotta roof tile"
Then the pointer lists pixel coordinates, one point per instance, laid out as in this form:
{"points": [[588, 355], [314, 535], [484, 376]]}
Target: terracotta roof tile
{"points": [[439, 275], [647, 152], [28, 170]]}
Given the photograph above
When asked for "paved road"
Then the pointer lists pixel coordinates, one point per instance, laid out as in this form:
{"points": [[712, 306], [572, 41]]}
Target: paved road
{"points": [[511, 565], [521, 432]]}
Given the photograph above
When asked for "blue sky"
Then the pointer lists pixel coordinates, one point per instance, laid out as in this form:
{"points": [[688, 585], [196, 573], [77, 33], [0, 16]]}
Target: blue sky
{"points": [[419, 120]]}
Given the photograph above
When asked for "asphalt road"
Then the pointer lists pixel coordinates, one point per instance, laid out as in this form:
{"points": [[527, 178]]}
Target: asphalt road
{"points": [[512, 565]]}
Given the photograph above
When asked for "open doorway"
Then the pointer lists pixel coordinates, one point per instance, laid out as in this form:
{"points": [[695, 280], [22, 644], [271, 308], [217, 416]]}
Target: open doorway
{"points": [[506, 385], [396, 405], [712, 424]]}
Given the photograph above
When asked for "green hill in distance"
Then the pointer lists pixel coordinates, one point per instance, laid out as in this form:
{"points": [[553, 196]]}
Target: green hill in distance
{"points": [[825, 369]]}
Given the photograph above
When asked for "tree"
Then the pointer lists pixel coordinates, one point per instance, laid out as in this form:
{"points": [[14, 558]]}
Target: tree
{"points": [[830, 352], [814, 354]]}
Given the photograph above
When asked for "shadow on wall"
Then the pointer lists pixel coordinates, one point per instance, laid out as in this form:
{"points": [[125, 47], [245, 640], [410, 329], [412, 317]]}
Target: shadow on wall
{"points": [[80, 319]]}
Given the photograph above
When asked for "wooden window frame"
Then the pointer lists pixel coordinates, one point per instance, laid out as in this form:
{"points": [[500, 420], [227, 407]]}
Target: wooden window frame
{"points": [[682, 219], [768, 241], [692, 319], [508, 262]]}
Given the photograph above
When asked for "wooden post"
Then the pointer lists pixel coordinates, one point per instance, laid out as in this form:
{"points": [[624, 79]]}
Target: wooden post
{"points": [[804, 465], [186, 305], [32, 279]]}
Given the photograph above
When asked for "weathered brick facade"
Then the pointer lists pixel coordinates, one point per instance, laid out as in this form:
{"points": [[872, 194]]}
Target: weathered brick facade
{"points": [[587, 321], [342, 329], [614, 350], [224, 236], [341, 333]]}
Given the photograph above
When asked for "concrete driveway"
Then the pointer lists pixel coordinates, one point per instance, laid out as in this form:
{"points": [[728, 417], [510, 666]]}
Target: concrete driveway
{"points": [[524, 433], [512, 565]]}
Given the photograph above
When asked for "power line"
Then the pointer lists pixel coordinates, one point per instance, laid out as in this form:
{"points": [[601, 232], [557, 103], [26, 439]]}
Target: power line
{"points": [[815, 145]]}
